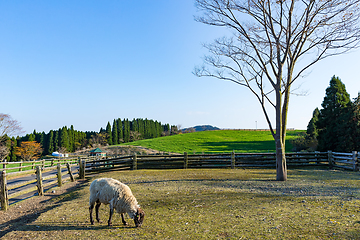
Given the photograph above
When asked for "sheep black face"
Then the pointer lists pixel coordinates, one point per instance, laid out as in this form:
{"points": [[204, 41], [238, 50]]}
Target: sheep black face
{"points": [[139, 217]]}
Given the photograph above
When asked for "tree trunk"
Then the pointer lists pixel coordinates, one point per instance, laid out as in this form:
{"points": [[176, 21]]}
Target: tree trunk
{"points": [[281, 170]]}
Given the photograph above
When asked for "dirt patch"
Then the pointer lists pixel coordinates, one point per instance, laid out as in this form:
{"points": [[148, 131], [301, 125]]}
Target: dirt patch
{"points": [[28, 210]]}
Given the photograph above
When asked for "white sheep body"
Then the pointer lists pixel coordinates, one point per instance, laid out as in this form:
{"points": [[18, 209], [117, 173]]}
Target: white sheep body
{"points": [[118, 196]]}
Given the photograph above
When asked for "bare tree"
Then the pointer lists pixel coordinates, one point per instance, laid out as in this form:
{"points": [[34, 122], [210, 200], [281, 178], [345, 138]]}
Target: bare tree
{"points": [[272, 43], [8, 127]]}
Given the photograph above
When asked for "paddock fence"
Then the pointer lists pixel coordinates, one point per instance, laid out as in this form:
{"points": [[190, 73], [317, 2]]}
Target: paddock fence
{"points": [[21, 178], [87, 165], [224, 160]]}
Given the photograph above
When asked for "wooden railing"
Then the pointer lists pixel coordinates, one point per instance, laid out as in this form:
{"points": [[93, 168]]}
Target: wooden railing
{"points": [[28, 167], [232, 160], [225, 160], [41, 166], [349, 161]]}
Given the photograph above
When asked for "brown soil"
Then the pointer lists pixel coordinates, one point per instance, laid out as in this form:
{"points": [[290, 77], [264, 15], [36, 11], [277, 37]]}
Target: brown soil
{"points": [[29, 209]]}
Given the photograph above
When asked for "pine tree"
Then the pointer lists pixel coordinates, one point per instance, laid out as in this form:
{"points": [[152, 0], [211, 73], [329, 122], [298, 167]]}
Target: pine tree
{"points": [[312, 131], [12, 155], [126, 130], [50, 140], [56, 141], [64, 139], [120, 130], [108, 134], [115, 137], [331, 123]]}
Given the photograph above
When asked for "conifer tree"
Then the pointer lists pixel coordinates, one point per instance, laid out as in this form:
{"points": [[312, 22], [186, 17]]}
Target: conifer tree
{"points": [[120, 130], [312, 131], [108, 134], [115, 137], [126, 130], [56, 141], [331, 123]]}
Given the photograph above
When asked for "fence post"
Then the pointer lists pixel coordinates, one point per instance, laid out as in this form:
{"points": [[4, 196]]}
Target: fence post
{"points": [[70, 173], [355, 161], [4, 165], [233, 160], [43, 163], [134, 167], [39, 181], [33, 164], [330, 159], [59, 174], [20, 165], [3, 191], [186, 160], [317, 157], [82, 169]]}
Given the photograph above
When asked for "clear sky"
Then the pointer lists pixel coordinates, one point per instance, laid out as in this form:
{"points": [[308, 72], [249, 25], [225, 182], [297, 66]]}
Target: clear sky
{"points": [[87, 62]]}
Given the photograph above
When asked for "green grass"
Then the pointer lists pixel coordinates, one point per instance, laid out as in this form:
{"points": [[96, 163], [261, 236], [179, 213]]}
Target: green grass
{"points": [[214, 204], [14, 164], [217, 142]]}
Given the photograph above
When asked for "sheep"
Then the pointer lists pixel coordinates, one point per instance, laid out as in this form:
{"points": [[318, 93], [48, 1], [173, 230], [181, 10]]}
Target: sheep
{"points": [[120, 198]]}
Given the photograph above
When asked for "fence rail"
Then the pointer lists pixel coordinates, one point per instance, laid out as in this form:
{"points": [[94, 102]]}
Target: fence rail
{"points": [[42, 166], [232, 160], [225, 160]]}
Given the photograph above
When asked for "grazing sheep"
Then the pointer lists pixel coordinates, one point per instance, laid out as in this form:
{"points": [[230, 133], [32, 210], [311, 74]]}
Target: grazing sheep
{"points": [[120, 198]]}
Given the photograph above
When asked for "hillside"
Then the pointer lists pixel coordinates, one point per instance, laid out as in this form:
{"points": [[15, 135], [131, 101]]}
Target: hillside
{"points": [[200, 128], [217, 141]]}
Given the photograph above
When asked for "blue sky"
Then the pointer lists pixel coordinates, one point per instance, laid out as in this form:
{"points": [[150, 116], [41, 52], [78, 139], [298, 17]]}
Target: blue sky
{"points": [[85, 63]]}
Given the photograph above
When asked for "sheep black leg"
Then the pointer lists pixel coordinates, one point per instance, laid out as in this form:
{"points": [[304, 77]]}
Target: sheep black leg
{"points": [[98, 203], [111, 213], [123, 219], [91, 217]]}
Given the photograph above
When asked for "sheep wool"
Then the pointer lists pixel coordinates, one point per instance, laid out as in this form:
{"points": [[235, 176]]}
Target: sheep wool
{"points": [[118, 196]]}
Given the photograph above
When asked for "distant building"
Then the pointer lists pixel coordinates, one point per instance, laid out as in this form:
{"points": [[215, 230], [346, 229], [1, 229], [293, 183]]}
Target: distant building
{"points": [[97, 152]]}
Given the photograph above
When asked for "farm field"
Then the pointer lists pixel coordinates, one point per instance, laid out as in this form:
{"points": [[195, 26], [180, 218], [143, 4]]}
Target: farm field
{"points": [[211, 204], [217, 142]]}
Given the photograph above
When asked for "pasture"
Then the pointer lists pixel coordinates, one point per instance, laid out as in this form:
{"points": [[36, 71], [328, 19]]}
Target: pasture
{"points": [[212, 204], [219, 141]]}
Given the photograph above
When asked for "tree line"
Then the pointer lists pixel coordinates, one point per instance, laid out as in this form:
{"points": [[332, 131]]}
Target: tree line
{"points": [[336, 126], [67, 140]]}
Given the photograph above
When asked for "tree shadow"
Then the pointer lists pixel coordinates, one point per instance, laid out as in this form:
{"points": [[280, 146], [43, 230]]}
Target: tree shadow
{"points": [[17, 223]]}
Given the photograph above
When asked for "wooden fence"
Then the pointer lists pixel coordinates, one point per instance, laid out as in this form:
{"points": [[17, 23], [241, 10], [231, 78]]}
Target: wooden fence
{"points": [[233, 160], [38, 167], [226, 160]]}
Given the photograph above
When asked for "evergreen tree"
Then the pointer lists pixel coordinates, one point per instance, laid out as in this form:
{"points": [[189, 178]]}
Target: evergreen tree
{"points": [[312, 130], [56, 141], [43, 142], [332, 121], [71, 133], [120, 130], [12, 155], [64, 139], [108, 134], [126, 130], [50, 144], [115, 137], [356, 123]]}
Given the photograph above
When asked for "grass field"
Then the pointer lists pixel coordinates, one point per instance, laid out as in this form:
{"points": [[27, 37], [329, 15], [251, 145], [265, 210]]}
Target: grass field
{"points": [[217, 141], [213, 204]]}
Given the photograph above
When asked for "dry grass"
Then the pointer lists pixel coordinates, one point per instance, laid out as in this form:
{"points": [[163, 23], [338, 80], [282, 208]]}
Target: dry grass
{"points": [[214, 204]]}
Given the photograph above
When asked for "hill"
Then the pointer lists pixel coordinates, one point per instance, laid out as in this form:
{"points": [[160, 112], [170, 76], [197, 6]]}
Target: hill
{"points": [[199, 128], [217, 141]]}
